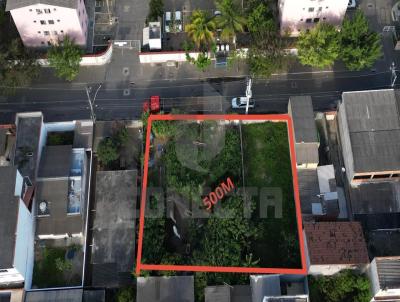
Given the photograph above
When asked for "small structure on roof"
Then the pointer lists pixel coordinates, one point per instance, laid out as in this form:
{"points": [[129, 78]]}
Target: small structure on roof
{"points": [[333, 246]]}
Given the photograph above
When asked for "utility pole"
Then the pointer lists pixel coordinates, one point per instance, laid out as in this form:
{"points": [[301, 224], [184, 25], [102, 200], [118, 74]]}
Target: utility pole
{"points": [[249, 93], [394, 74], [91, 102]]}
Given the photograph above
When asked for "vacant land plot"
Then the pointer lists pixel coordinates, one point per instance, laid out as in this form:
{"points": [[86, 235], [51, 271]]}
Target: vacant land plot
{"points": [[220, 194]]}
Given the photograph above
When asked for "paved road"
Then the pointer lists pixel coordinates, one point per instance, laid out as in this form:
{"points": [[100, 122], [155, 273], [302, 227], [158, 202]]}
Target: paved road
{"points": [[124, 101]]}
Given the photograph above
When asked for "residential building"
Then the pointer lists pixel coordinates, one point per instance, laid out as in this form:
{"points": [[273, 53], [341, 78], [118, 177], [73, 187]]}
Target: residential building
{"points": [[299, 15], [113, 242], [16, 231], [165, 289], [333, 246], [300, 109], [279, 288], [369, 130], [384, 274], [45, 23]]}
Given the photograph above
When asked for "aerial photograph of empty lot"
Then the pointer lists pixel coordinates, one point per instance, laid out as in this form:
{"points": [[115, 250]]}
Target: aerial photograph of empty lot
{"points": [[220, 194]]}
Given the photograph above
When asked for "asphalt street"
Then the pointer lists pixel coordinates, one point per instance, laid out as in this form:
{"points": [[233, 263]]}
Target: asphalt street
{"points": [[124, 101]]}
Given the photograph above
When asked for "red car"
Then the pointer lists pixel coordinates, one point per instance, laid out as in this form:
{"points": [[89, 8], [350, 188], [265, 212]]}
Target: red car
{"points": [[152, 105]]}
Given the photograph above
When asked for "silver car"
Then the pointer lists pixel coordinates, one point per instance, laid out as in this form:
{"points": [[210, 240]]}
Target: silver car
{"points": [[241, 102]]}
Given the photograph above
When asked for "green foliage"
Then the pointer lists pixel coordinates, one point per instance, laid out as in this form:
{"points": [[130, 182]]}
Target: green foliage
{"points": [[231, 20], [107, 151], [153, 241], [346, 285], [63, 265], [156, 10], [65, 59], [201, 29], [260, 20], [126, 294], [18, 66], [202, 61], [320, 46], [360, 47], [60, 138], [3, 15], [163, 128]]}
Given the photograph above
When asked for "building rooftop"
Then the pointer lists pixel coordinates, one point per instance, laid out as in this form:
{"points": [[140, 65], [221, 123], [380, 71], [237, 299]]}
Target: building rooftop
{"points": [[14, 4], [83, 134], [227, 293], [55, 220], [8, 215], [388, 269], [55, 161], [308, 189], [27, 143], [114, 223], [59, 295], [335, 243], [301, 111], [374, 198], [165, 289], [372, 130]]}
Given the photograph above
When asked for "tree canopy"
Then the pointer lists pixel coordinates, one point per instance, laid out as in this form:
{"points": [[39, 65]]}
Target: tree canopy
{"points": [[201, 29], [156, 10], [320, 46], [360, 47], [346, 285], [231, 20], [65, 59]]}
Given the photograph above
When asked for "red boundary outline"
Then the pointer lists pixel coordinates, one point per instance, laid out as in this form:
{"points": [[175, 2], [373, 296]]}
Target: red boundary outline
{"points": [[159, 267]]}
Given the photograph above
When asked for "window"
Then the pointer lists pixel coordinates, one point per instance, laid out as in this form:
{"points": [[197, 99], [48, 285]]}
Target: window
{"points": [[54, 9], [30, 9], [62, 31], [308, 20], [310, 9], [58, 20], [323, 18], [320, 8], [34, 21], [39, 11], [39, 32], [316, 20], [55, 33], [51, 21], [42, 43], [301, 19], [47, 11], [42, 22], [46, 33], [48, 43]]}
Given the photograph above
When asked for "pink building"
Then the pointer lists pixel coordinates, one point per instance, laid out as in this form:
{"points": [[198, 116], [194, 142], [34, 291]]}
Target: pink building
{"points": [[298, 15], [42, 23]]}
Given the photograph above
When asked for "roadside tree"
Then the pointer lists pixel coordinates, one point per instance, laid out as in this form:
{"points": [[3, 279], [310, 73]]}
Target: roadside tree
{"points": [[201, 29], [156, 10], [231, 20], [320, 46], [65, 59], [360, 47]]}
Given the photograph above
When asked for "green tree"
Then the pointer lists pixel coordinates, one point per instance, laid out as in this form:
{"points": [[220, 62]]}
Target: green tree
{"points": [[156, 10], [18, 67], [65, 59], [260, 20], [202, 61], [346, 285], [230, 21], [201, 29], [126, 294], [107, 151], [319, 47], [360, 47]]}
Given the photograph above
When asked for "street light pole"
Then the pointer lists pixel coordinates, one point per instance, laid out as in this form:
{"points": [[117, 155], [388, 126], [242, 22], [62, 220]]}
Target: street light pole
{"points": [[249, 94], [91, 102], [394, 74]]}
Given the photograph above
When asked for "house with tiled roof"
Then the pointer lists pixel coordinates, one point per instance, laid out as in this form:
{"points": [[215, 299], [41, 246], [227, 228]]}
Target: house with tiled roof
{"points": [[333, 246]]}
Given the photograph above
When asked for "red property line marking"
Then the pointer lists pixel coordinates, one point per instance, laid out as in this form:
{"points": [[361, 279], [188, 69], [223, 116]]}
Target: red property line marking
{"points": [[265, 117]]}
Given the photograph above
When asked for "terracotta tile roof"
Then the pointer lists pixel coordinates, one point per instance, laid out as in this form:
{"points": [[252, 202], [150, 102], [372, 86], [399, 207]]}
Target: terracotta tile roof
{"points": [[336, 243]]}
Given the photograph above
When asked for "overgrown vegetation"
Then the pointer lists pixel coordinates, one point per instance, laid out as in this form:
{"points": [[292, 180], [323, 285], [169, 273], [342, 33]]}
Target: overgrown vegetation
{"points": [[60, 138], [109, 149], [156, 10], [126, 294], [65, 59], [344, 286]]}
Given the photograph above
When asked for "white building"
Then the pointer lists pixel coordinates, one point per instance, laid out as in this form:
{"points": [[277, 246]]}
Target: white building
{"points": [[298, 15], [44, 23], [16, 230]]}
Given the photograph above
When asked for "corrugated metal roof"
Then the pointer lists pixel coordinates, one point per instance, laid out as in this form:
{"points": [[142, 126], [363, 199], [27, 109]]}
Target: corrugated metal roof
{"points": [[302, 113], [388, 272]]}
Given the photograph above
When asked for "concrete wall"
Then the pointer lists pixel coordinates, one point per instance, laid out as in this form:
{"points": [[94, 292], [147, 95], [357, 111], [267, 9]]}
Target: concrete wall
{"points": [[295, 15], [165, 56], [67, 21]]}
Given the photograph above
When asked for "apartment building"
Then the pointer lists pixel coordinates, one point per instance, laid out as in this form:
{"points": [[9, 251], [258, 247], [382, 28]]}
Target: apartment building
{"points": [[45, 23], [298, 15]]}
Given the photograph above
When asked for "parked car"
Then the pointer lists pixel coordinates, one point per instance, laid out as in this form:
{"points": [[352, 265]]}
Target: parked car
{"points": [[178, 21], [167, 22], [240, 103], [352, 4]]}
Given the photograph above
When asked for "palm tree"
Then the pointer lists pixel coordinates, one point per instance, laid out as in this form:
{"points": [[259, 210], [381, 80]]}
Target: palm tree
{"points": [[230, 20], [201, 28]]}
